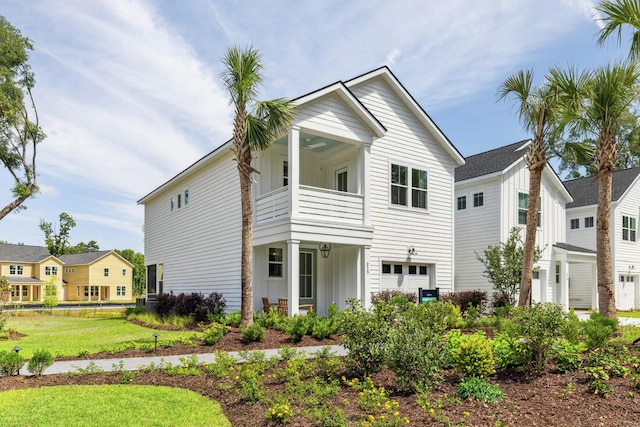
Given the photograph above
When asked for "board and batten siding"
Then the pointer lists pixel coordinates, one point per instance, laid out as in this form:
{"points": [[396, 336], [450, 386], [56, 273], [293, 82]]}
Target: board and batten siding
{"points": [[476, 228], [626, 254], [199, 244], [396, 228]]}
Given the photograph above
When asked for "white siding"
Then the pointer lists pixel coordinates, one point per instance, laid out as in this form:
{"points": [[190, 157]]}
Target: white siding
{"points": [[626, 254], [198, 243], [396, 228]]}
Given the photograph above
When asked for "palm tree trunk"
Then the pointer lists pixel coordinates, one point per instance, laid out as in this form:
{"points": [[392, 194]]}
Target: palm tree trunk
{"points": [[536, 162], [605, 162]]}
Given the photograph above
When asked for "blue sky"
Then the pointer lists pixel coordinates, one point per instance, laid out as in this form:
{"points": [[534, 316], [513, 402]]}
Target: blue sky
{"points": [[129, 94]]}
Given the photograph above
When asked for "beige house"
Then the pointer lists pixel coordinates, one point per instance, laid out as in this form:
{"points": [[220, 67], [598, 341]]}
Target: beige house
{"points": [[97, 276], [28, 269]]}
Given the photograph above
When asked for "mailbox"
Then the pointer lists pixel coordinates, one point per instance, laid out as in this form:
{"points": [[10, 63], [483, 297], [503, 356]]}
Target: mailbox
{"points": [[426, 295]]}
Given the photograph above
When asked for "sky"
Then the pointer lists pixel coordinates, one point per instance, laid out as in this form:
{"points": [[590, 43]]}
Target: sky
{"points": [[129, 91]]}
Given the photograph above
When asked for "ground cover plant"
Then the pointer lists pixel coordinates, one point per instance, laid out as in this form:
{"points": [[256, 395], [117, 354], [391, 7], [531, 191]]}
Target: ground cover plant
{"points": [[386, 383]]}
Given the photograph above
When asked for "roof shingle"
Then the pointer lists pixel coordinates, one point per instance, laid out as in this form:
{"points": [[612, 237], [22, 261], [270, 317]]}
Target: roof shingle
{"points": [[491, 161], [585, 190], [23, 253]]}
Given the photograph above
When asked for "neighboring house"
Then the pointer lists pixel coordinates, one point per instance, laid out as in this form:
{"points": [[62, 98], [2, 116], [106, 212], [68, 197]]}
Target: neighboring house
{"points": [[625, 251], [97, 276], [28, 269], [363, 171], [491, 198]]}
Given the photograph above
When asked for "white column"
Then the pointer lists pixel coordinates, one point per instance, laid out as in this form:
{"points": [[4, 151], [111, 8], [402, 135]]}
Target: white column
{"points": [[365, 281], [564, 285], [293, 154], [293, 274], [594, 287], [364, 183]]}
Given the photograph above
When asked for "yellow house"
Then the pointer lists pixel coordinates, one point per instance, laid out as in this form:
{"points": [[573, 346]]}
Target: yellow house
{"points": [[28, 269], [97, 276]]}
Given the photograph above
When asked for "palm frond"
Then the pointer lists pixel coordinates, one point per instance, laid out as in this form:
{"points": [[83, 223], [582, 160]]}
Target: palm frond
{"points": [[619, 14], [270, 120], [242, 76]]}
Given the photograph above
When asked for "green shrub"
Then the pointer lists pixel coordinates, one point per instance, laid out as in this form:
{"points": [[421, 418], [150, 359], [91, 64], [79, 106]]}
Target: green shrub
{"points": [[474, 356], [598, 330], [531, 333], [566, 356], [298, 328], [135, 310], [479, 389], [471, 316], [214, 333], [253, 333], [572, 329], [40, 361], [503, 352], [10, 362], [387, 295], [231, 319], [324, 328], [466, 299]]}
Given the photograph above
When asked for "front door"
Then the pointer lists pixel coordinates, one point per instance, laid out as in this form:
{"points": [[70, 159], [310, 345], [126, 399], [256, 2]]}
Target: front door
{"points": [[307, 278]]}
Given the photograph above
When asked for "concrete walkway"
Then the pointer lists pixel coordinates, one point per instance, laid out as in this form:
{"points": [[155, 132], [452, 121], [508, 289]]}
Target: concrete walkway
{"points": [[626, 321], [136, 363]]}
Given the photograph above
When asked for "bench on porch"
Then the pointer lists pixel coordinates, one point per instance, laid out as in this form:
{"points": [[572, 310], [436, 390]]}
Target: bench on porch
{"points": [[283, 306]]}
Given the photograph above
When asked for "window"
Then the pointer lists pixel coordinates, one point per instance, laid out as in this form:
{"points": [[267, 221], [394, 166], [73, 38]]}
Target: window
{"points": [[557, 273], [121, 291], [423, 270], [341, 180], [186, 197], [628, 228], [124, 271], [16, 270], [50, 271], [419, 188], [462, 203], [413, 269], [77, 291], [386, 268], [397, 269], [275, 262], [399, 185], [575, 223], [94, 291], [478, 200], [179, 201], [588, 222], [70, 270], [285, 173], [173, 204], [523, 205], [25, 291], [535, 274], [86, 291], [106, 272]]}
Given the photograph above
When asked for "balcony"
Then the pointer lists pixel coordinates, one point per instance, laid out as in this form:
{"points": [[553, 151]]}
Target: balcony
{"points": [[317, 204]]}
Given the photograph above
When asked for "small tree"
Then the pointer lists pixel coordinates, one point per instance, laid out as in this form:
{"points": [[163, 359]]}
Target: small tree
{"points": [[503, 265], [5, 290], [50, 293]]}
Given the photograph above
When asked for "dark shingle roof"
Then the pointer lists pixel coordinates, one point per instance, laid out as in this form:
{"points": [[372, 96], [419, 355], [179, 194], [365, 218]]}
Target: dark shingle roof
{"points": [[572, 248], [585, 190], [80, 259], [491, 161], [23, 253]]}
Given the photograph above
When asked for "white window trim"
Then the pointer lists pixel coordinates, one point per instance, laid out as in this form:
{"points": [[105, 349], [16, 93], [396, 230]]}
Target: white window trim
{"points": [[410, 167], [484, 199], [517, 199], [622, 228], [573, 221], [283, 277], [466, 204]]}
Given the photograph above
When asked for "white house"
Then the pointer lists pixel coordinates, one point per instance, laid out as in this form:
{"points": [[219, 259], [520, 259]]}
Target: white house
{"points": [[363, 171], [625, 251], [491, 198]]}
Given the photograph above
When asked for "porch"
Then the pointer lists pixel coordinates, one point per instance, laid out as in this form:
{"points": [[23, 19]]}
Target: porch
{"points": [[24, 292]]}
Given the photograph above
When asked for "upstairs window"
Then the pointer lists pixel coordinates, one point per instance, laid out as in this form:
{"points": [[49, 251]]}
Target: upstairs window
{"points": [[179, 201], [628, 228], [588, 222], [419, 188], [575, 223], [341, 180], [462, 203], [124, 271], [285, 173], [106, 272], [523, 206], [399, 185], [478, 200], [50, 271], [186, 197], [16, 270]]}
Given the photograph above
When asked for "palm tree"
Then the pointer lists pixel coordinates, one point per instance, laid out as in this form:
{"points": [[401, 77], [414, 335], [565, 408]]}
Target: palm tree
{"points": [[536, 105], [255, 126], [618, 14], [599, 103]]}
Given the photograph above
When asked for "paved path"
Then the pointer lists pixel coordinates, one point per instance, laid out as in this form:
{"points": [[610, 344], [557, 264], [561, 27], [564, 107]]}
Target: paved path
{"points": [[635, 321], [136, 363]]}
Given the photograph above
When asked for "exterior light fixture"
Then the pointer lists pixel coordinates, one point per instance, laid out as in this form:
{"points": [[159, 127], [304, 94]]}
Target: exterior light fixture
{"points": [[412, 251], [155, 345], [17, 349], [325, 249]]}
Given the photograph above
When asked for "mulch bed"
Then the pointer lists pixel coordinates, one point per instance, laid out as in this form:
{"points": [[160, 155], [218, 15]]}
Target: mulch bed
{"points": [[528, 401]]}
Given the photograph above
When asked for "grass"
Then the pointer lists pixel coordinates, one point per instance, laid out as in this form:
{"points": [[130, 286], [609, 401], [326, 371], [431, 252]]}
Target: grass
{"points": [[634, 314], [68, 336], [113, 405]]}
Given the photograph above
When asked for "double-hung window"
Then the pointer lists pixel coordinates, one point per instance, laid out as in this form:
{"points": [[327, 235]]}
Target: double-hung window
{"points": [[275, 262], [404, 178], [588, 222], [106, 272], [523, 206], [478, 200], [628, 228], [575, 223], [16, 270], [462, 203]]}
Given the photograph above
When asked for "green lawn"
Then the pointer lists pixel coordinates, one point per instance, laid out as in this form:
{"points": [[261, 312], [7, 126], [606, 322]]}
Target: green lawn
{"points": [[68, 336], [635, 314], [108, 405]]}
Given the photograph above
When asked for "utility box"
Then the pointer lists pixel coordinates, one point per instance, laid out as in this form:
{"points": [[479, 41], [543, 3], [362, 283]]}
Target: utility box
{"points": [[426, 295]]}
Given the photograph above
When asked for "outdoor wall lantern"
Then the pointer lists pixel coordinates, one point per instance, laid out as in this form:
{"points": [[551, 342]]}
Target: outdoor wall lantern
{"points": [[325, 249], [155, 345], [412, 251]]}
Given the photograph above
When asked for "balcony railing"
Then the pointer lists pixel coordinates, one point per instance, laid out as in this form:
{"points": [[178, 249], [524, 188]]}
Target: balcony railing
{"points": [[314, 203]]}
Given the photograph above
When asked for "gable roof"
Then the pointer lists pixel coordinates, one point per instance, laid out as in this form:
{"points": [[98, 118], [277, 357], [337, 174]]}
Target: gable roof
{"points": [[342, 90], [88, 257], [23, 253], [413, 106], [585, 190], [492, 161]]}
